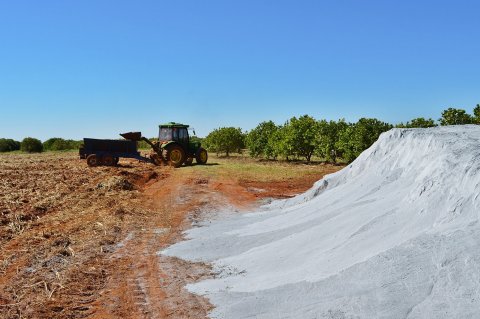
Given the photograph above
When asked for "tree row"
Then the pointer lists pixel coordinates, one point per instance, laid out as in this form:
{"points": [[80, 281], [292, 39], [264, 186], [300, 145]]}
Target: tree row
{"points": [[305, 137]]}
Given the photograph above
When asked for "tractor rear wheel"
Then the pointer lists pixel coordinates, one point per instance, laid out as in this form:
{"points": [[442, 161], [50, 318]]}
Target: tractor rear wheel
{"points": [[175, 156], [202, 156], [92, 160]]}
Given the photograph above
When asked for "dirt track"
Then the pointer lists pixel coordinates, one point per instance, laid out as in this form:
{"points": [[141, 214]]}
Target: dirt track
{"points": [[78, 242]]}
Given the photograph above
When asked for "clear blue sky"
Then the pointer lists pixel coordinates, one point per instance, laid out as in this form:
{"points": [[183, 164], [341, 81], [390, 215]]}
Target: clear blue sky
{"points": [[97, 68]]}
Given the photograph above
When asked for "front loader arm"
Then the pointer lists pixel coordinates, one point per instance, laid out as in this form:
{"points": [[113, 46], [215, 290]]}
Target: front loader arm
{"points": [[137, 136]]}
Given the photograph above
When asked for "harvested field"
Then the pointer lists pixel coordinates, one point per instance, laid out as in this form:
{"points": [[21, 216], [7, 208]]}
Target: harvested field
{"points": [[80, 242], [59, 220]]}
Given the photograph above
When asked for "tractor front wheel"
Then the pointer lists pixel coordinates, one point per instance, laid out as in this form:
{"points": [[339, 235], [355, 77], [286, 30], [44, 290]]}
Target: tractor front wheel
{"points": [[189, 161], [175, 156], [202, 156]]}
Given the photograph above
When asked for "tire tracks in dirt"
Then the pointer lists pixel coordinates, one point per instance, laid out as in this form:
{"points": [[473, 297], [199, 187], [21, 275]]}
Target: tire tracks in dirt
{"points": [[146, 285]]}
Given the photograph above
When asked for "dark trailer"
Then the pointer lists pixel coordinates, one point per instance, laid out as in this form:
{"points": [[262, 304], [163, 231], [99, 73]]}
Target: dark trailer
{"points": [[108, 152]]}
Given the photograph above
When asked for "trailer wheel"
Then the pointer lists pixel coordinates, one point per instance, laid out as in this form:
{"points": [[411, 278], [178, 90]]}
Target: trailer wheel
{"points": [[92, 160], [202, 156], [175, 156], [108, 160]]}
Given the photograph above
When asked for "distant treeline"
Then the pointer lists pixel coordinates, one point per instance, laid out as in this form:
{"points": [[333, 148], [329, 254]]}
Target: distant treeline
{"points": [[297, 138], [33, 145], [305, 136]]}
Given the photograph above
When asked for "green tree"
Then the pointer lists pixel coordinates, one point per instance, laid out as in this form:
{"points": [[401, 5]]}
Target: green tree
{"points": [[14, 145], [225, 140], [453, 116], [420, 122], [47, 145], [356, 138], [271, 150], [31, 145], [345, 145], [328, 136], [8, 145], [278, 144], [300, 136], [195, 139], [60, 144], [257, 139], [476, 114]]}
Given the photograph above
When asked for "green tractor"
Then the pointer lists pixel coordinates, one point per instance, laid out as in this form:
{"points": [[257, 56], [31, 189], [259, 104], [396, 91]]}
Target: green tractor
{"points": [[173, 147]]}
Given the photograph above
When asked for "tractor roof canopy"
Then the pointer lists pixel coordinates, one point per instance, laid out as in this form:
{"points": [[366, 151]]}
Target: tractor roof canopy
{"points": [[173, 124]]}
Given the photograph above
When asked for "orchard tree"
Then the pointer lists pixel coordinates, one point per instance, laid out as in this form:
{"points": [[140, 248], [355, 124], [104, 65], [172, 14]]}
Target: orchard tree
{"points": [[225, 140], [476, 114], [367, 132], [31, 145], [194, 139], [421, 122], [211, 141], [271, 150], [345, 143], [279, 144], [300, 136], [356, 138], [328, 136], [257, 139], [453, 116]]}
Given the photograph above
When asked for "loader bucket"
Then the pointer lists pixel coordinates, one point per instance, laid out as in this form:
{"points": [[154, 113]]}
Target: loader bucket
{"points": [[133, 136]]}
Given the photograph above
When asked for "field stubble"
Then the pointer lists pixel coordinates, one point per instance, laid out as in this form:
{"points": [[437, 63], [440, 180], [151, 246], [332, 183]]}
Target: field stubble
{"points": [[58, 219]]}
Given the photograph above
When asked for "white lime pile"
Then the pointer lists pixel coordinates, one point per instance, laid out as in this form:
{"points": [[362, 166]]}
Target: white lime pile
{"points": [[396, 234]]}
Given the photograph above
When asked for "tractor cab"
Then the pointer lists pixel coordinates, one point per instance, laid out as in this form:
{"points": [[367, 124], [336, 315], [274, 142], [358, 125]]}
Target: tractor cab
{"points": [[173, 132], [175, 140], [176, 133]]}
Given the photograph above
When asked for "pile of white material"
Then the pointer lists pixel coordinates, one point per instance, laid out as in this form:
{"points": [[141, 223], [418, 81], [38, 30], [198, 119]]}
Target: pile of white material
{"points": [[394, 235]]}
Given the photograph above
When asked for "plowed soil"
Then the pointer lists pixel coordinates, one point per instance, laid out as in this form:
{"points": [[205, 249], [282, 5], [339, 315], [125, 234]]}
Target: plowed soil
{"points": [[80, 242]]}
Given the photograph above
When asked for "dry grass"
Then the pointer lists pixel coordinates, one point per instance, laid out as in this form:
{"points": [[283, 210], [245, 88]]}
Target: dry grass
{"points": [[16, 225], [244, 168]]}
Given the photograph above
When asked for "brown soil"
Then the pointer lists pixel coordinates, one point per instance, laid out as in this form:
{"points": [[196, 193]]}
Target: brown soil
{"points": [[288, 187], [80, 242]]}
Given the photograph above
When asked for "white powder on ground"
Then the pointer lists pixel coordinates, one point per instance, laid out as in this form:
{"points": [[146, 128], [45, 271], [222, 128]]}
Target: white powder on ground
{"points": [[396, 234]]}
